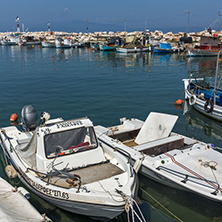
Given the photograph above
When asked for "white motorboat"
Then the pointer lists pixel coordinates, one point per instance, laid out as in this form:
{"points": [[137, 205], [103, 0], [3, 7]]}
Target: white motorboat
{"points": [[167, 157], [62, 162], [7, 43], [48, 43], [10, 40], [14, 205], [133, 50], [60, 43]]}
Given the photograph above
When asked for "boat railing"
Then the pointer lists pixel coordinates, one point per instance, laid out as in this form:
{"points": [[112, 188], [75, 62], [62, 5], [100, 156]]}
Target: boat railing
{"points": [[217, 148], [186, 177], [7, 138], [125, 153]]}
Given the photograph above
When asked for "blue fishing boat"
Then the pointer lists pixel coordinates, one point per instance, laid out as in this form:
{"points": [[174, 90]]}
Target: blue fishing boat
{"points": [[164, 47], [108, 47], [204, 97]]}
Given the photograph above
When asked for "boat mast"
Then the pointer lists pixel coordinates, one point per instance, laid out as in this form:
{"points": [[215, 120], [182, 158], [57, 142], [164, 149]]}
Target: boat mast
{"points": [[215, 83], [17, 21]]}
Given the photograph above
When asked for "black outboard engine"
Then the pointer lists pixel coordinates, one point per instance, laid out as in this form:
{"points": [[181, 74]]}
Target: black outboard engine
{"points": [[29, 118]]}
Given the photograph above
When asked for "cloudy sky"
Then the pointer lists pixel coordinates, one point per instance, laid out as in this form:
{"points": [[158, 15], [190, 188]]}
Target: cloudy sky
{"points": [[100, 15]]}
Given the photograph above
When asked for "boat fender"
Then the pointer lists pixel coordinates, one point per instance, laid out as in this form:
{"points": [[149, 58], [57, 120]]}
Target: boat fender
{"points": [[208, 106], [192, 100], [24, 192], [10, 171]]}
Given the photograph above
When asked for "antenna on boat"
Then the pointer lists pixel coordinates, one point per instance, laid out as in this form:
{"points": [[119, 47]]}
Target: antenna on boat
{"points": [[17, 21]]}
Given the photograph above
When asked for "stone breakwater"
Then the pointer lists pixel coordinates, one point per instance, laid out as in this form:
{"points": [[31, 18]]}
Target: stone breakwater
{"points": [[103, 36]]}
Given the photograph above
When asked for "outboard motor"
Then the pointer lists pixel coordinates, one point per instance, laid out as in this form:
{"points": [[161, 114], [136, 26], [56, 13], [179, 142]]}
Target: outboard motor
{"points": [[29, 118]]}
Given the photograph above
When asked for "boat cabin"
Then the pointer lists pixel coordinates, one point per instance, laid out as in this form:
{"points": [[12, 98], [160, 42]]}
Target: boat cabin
{"points": [[72, 143], [209, 42]]}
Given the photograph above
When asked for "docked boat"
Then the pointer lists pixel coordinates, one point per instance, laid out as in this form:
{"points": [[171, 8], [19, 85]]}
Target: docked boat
{"points": [[167, 157], [209, 46], [14, 205], [7, 43], [30, 40], [107, 47], [126, 50], [204, 97], [133, 49], [63, 163], [164, 47], [47, 43], [60, 43], [133, 44], [10, 40]]}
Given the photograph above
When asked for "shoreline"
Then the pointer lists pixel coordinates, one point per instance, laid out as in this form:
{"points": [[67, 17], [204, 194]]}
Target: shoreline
{"points": [[93, 36]]}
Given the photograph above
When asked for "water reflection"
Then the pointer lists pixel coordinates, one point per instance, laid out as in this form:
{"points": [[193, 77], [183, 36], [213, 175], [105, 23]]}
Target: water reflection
{"points": [[202, 124], [202, 66], [180, 205]]}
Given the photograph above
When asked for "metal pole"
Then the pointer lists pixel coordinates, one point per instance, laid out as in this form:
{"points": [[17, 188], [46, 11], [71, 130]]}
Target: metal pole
{"points": [[215, 83], [87, 28], [188, 20], [124, 24]]}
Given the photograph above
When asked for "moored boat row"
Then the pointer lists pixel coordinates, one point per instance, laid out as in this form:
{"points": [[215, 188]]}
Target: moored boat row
{"points": [[86, 170]]}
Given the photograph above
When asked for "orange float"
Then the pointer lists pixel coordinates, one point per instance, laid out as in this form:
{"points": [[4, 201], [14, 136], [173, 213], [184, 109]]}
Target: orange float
{"points": [[179, 102], [14, 117]]}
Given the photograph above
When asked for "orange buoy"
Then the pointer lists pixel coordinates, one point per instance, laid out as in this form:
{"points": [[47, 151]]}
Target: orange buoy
{"points": [[179, 102], [14, 117]]}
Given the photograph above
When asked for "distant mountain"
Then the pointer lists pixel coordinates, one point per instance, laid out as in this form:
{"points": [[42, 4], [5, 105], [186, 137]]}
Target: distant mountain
{"points": [[81, 26]]}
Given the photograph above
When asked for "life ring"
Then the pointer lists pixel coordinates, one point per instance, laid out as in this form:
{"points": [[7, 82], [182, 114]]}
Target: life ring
{"points": [[208, 106], [192, 100]]}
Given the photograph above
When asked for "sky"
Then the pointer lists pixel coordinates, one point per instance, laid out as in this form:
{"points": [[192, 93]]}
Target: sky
{"points": [[115, 15]]}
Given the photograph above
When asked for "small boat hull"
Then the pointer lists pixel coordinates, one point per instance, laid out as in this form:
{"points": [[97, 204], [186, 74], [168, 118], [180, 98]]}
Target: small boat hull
{"points": [[48, 45], [80, 188], [200, 104], [202, 53], [132, 50], [177, 161], [8, 43]]}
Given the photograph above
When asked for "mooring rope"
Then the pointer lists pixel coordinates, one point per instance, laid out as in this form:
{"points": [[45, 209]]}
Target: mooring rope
{"points": [[161, 205], [130, 202]]}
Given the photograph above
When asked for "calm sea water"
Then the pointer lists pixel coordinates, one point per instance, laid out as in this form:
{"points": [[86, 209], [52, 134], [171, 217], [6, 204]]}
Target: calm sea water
{"points": [[106, 86]]}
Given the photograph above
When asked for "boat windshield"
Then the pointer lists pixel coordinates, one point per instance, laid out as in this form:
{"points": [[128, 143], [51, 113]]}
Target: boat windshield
{"points": [[70, 141]]}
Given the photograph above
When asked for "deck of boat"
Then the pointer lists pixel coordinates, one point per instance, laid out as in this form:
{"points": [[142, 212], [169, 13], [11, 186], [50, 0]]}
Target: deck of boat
{"points": [[87, 174]]}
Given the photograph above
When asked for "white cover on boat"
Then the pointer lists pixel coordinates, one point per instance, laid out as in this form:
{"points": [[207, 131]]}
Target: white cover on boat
{"points": [[14, 207], [156, 126], [28, 151]]}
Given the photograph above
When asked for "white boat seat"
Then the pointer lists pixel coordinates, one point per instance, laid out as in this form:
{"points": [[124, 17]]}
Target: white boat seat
{"points": [[161, 146]]}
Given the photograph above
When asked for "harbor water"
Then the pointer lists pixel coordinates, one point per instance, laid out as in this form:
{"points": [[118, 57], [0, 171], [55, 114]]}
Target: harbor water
{"points": [[106, 86]]}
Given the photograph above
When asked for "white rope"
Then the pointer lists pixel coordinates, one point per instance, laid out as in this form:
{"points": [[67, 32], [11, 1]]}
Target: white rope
{"points": [[130, 202]]}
